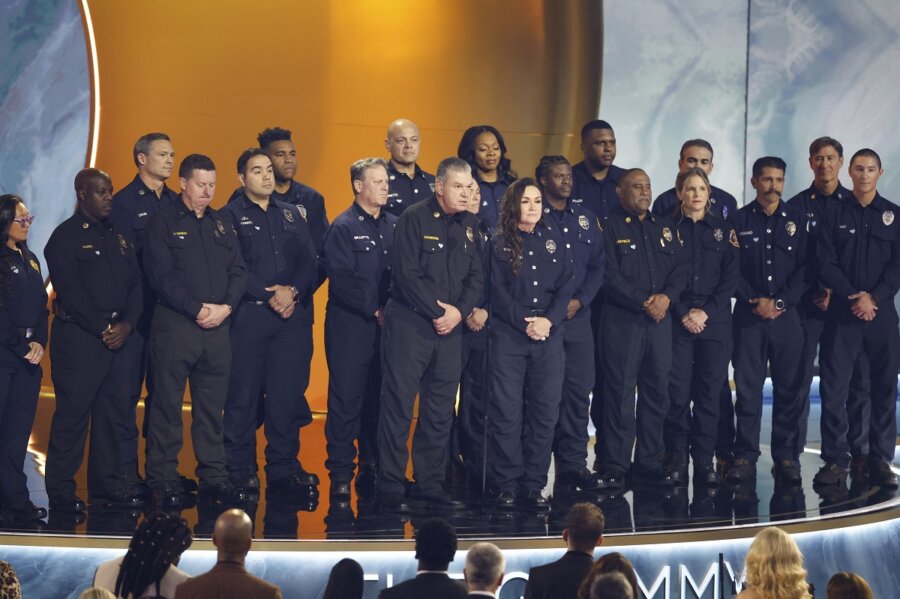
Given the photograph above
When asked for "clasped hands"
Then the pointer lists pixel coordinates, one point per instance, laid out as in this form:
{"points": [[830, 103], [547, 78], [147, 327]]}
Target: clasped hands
{"points": [[656, 306]]}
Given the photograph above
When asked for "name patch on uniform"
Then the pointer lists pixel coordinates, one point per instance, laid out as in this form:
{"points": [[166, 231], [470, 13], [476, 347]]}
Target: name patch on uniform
{"points": [[742, 233], [360, 237], [180, 233], [791, 227], [431, 237], [551, 246], [887, 217], [583, 222], [142, 214], [89, 246], [288, 215], [623, 241]]}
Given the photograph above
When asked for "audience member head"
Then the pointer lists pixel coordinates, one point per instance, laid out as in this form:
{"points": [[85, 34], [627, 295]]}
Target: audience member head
{"points": [[96, 593], [345, 581], [613, 585], [611, 562], [157, 543], [584, 527], [774, 566], [9, 582], [435, 544], [485, 566], [848, 585], [233, 534]]}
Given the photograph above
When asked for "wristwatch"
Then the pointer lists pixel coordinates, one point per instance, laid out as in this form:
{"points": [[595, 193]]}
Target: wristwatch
{"points": [[295, 291], [779, 305]]}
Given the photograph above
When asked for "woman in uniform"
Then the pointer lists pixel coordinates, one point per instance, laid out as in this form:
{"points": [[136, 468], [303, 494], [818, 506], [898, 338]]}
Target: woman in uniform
{"points": [[483, 148], [23, 332], [530, 287], [701, 333]]}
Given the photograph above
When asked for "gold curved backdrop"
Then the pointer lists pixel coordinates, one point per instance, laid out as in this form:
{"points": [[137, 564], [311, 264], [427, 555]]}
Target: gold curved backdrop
{"points": [[213, 73]]}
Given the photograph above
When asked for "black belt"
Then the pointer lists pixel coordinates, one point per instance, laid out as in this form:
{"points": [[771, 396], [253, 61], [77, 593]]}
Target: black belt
{"points": [[60, 313], [538, 312]]}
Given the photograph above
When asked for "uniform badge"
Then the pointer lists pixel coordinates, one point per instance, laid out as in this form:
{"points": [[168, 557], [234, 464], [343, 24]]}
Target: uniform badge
{"points": [[438, 214], [887, 217], [667, 234], [583, 222], [302, 210], [791, 227], [732, 239], [717, 234], [220, 227], [470, 234], [288, 215], [551, 246], [627, 219], [34, 265]]}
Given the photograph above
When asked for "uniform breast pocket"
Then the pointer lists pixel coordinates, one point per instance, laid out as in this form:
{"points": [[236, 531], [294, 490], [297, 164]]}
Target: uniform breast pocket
{"points": [[786, 244], [432, 246], [362, 248], [884, 238]]}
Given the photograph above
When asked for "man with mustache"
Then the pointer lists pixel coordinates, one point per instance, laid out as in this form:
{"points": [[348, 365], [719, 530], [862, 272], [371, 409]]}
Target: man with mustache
{"points": [[407, 182], [95, 274], [194, 264], [767, 325]]}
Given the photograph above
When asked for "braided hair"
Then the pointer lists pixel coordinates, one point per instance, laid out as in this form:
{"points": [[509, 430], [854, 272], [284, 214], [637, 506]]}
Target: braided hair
{"points": [[508, 223], [157, 544]]}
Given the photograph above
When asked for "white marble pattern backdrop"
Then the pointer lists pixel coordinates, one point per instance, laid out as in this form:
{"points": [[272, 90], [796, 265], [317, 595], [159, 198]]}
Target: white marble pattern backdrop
{"points": [[674, 71], [44, 108]]}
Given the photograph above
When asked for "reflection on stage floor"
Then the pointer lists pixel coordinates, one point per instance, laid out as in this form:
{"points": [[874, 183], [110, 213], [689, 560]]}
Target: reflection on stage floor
{"points": [[313, 517]]}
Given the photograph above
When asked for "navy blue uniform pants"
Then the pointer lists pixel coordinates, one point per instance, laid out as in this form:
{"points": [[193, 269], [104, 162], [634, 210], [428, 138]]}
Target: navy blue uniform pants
{"points": [[843, 342], [182, 352], [526, 384], [353, 352], [473, 398], [778, 345], [20, 384], [637, 353], [415, 359], [272, 354], [699, 368], [571, 437], [596, 410], [91, 384], [137, 357]]}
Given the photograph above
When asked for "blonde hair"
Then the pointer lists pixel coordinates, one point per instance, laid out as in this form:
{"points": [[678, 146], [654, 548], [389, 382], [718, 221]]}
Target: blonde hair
{"points": [[96, 593], [774, 566]]}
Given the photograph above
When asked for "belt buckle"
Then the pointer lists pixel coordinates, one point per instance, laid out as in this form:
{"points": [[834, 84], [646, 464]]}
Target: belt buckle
{"points": [[29, 333]]}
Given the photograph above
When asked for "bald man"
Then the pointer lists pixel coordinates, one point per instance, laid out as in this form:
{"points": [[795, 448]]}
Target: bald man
{"points": [[94, 271], [232, 537], [407, 183]]}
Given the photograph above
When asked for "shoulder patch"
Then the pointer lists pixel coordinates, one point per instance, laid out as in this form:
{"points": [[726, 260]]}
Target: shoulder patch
{"points": [[732, 239]]}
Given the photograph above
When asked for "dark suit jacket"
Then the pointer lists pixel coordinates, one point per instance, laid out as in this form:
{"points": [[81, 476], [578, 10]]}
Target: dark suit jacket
{"points": [[227, 581], [559, 579], [427, 586]]}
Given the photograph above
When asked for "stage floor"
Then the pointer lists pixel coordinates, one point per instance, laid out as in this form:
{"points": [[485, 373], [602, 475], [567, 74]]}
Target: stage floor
{"points": [[637, 510]]}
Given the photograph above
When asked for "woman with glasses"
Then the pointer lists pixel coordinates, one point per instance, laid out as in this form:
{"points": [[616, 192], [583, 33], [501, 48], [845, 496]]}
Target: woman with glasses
{"points": [[23, 335]]}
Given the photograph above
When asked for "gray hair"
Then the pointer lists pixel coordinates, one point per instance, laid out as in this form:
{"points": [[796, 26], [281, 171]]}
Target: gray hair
{"points": [[484, 565], [358, 169], [452, 164]]}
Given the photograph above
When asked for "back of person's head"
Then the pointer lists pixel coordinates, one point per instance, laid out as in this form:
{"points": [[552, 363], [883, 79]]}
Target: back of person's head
{"points": [[611, 586], [848, 585], [233, 533], [584, 527], [435, 544], [9, 582], [484, 568], [606, 564], [157, 543], [96, 593], [774, 566], [345, 581]]}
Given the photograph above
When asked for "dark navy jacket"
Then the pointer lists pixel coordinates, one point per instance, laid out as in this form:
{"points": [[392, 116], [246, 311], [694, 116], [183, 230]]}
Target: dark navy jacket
{"points": [[581, 233], [722, 203], [491, 194], [404, 191], [24, 303], [599, 197], [710, 248], [358, 255]]}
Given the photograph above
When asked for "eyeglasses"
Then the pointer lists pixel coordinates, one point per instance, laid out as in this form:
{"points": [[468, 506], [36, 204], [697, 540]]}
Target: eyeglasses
{"points": [[25, 220]]}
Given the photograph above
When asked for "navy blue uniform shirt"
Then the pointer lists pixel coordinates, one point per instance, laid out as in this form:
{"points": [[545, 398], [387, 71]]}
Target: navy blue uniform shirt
{"points": [[491, 194], [94, 270], [24, 303], [276, 246], [859, 250], [133, 205], [710, 248], [721, 203], [773, 253], [404, 191], [358, 255], [581, 233], [436, 257], [191, 261], [543, 285], [642, 259], [599, 197]]}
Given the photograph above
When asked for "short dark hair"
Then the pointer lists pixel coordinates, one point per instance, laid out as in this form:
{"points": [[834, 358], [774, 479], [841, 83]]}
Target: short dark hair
{"points": [[545, 164], [611, 586], [698, 143], [823, 142], [768, 162], [142, 145], [270, 134], [451, 163], [245, 157], [195, 162], [595, 124], [436, 543], [585, 524], [866, 152]]}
